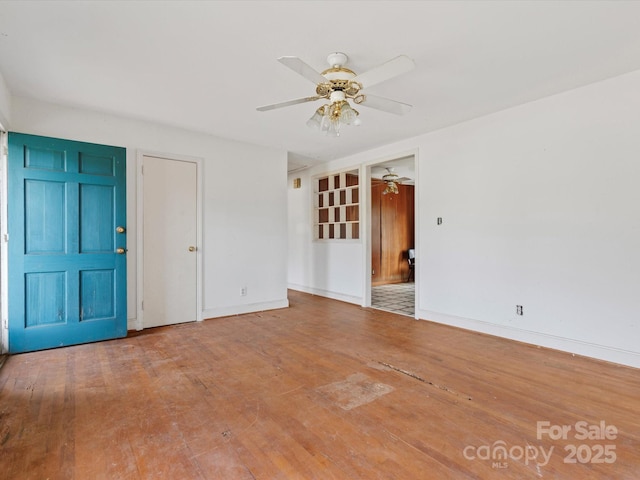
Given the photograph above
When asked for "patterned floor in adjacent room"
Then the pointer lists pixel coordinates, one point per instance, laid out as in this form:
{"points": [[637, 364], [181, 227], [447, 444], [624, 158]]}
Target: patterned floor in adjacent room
{"points": [[395, 297]]}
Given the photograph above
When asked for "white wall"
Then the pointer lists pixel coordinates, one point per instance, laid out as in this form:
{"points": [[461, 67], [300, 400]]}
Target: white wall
{"points": [[540, 207], [331, 269], [244, 201], [5, 104]]}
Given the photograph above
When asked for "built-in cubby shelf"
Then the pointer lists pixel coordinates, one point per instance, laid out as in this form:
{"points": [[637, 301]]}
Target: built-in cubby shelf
{"points": [[337, 209]]}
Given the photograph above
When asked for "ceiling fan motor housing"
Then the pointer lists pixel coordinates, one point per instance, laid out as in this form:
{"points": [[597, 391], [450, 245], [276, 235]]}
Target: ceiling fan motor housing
{"points": [[349, 88], [339, 78], [337, 59]]}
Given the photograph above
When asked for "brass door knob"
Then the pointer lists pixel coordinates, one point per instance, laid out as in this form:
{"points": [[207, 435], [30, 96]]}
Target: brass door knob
{"points": [[121, 251], [192, 249], [120, 229]]}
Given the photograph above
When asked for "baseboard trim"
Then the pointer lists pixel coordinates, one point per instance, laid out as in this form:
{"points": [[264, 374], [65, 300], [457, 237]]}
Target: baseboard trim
{"points": [[241, 309], [132, 324], [569, 345], [326, 293]]}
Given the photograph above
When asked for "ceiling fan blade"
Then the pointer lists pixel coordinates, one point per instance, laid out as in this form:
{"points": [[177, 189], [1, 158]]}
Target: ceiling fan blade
{"points": [[287, 104], [386, 105], [390, 69], [298, 66]]}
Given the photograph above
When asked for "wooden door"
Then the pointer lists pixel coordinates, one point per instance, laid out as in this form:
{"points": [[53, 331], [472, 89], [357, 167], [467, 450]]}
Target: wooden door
{"points": [[67, 281], [392, 233], [377, 186], [169, 241]]}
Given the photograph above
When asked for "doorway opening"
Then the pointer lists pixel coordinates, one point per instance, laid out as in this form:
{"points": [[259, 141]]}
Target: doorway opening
{"points": [[393, 235]]}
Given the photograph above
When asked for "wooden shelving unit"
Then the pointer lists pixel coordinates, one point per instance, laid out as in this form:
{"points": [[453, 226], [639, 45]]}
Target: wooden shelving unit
{"points": [[337, 209]]}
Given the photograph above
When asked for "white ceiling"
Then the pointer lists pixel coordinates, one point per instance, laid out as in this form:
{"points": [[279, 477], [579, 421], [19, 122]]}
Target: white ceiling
{"points": [[404, 167], [206, 66]]}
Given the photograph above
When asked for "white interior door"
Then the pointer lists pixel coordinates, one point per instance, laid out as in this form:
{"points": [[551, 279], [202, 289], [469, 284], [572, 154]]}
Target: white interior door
{"points": [[169, 241]]}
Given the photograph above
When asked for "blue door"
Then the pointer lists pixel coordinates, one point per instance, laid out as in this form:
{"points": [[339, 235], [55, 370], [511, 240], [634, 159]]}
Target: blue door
{"points": [[67, 242]]}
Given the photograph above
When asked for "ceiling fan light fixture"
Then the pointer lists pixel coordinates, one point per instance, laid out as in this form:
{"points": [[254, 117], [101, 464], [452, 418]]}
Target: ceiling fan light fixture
{"points": [[347, 115], [334, 129], [324, 120], [391, 188], [330, 125], [315, 121], [329, 118]]}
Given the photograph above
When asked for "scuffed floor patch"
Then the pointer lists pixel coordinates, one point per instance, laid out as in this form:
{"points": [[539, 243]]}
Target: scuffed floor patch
{"points": [[386, 366], [356, 390]]}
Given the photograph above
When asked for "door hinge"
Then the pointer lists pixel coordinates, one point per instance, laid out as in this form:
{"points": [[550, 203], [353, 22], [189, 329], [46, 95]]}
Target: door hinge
{"points": [[142, 305], [5, 238], [5, 324]]}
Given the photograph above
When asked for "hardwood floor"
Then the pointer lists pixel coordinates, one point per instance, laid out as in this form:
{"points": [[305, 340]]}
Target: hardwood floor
{"points": [[321, 390]]}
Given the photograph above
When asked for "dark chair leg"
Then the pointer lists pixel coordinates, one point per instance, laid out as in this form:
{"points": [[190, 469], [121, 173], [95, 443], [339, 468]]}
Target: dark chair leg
{"points": [[410, 274]]}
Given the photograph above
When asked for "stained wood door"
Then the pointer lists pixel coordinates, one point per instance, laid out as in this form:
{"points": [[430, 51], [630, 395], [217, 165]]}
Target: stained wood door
{"points": [[67, 281], [377, 276], [392, 233], [170, 241]]}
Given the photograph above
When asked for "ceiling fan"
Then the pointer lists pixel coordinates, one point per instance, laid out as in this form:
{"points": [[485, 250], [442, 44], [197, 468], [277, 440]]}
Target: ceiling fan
{"points": [[339, 84], [392, 180]]}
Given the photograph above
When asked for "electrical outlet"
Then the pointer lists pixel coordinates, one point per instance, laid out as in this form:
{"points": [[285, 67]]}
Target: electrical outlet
{"points": [[519, 310], [243, 291]]}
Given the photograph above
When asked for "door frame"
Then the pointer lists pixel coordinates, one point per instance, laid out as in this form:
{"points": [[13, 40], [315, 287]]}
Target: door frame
{"points": [[365, 226], [4, 251], [139, 323]]}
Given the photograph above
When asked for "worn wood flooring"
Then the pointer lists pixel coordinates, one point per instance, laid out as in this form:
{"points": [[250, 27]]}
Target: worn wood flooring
{"points": [[321, 390]]}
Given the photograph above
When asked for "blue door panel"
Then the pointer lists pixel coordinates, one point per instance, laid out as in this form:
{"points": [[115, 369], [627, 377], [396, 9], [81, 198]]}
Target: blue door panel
{"points": [[97, 164], [45, 298], [42, 158], [97, 294], [45, 207], [67, 284], [97, 209]]}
